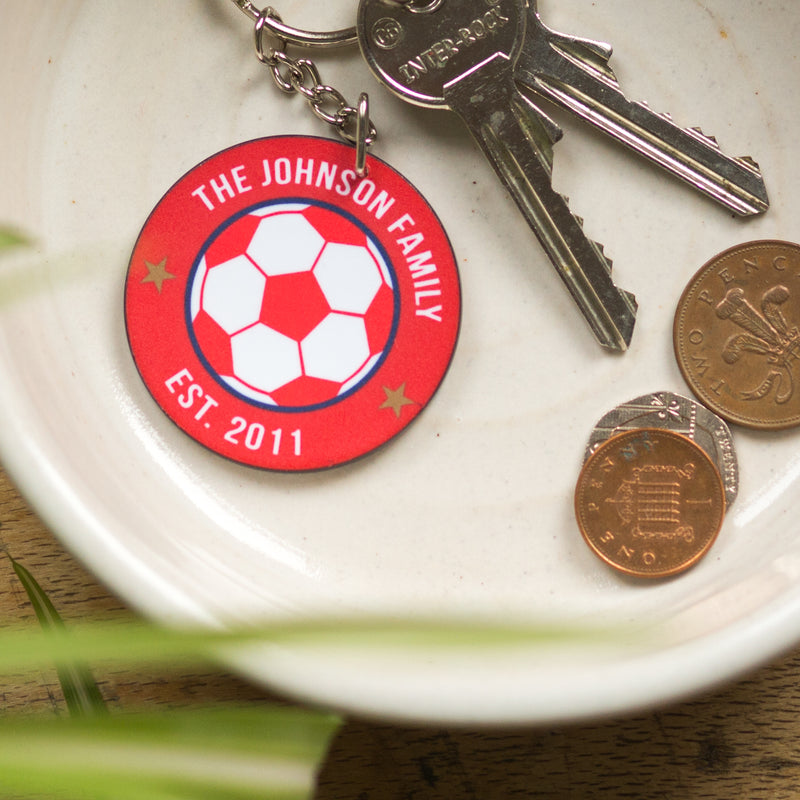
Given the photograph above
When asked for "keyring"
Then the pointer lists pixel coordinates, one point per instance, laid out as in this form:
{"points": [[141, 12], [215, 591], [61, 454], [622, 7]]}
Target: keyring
{"points": [[291, 35], [364, 135]]}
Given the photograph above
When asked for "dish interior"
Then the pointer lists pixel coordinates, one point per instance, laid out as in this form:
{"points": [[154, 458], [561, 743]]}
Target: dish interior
{"points": [[467, 513]]}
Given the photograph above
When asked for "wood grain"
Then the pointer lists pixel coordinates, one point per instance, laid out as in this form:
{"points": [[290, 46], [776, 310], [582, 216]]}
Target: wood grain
{"points": [[78, 595], [743, 741]]}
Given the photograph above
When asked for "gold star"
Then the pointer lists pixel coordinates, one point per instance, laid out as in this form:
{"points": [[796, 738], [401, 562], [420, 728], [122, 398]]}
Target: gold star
{"points": [[396, 399], [157, 274]]}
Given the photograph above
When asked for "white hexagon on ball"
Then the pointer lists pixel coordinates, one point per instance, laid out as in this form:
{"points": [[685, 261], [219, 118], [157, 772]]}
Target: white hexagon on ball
{"points": [[232, 294], [349, 277], [336, 349], [265, 359], [285, 243]]}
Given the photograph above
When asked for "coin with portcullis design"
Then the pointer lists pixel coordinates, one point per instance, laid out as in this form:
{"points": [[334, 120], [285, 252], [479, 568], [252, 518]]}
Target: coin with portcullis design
{"points": [[737, 334], [673, 412], [649, 503]]}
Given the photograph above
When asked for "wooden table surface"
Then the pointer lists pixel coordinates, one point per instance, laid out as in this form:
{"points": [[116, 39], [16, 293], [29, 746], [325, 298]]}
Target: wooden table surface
{"points": [[740, 742]]}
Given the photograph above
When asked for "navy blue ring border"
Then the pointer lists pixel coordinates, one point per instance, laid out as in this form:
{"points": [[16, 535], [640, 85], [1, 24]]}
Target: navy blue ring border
{"points": [[188, 311]]}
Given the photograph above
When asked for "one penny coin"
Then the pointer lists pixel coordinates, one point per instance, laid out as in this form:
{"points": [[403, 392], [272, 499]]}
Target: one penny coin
{"points": [[650, 502], [673, 412], [737, 335]]}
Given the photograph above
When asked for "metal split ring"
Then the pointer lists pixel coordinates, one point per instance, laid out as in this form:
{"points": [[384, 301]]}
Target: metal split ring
{"points": [[302, 76], [271, 22], [365, 134]]}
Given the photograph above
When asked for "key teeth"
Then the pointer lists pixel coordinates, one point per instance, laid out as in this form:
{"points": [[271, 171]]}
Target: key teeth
{"points": [[580, 220], [698, 133], [745, 161], [750, 163], [598, 247], [601, 252]]}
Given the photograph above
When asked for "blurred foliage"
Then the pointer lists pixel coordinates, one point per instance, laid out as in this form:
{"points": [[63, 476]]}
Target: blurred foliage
{"points": [[10, 238]]}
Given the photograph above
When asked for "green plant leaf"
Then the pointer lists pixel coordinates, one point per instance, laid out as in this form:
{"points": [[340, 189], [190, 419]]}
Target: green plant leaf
{"points": [[212, 755], [81, 692], [134, 643], [11, 238], [235, 754]]}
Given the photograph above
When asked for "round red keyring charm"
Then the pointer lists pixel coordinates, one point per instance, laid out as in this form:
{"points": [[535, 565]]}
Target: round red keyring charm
{"points": [[285, 312]]}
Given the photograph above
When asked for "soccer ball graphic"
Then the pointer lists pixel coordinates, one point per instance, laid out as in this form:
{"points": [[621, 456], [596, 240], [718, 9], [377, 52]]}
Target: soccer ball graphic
{"points": [[292, 305]]}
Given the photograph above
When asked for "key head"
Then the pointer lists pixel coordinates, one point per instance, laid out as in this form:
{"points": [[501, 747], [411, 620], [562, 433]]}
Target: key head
{"points": [[417, 48]]}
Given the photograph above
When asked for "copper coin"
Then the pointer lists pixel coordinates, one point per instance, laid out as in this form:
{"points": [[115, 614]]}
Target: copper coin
{"points": [[650, 502], [737, 335], [673, 412]]}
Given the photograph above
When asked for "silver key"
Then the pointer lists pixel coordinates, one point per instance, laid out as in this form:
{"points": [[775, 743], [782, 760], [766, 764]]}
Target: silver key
{"points": [[575, 73], [460, 55]]}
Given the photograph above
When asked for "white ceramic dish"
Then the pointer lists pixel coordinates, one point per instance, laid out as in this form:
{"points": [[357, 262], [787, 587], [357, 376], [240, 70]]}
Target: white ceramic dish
{"points": [[105, 105]]}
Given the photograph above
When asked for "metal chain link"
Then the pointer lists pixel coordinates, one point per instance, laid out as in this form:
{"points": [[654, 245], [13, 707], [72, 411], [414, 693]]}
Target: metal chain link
{"points": [[301, 76]]}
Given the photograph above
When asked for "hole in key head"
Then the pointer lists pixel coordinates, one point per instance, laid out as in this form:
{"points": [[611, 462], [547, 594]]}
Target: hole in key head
{"points": [[422, 6]]}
